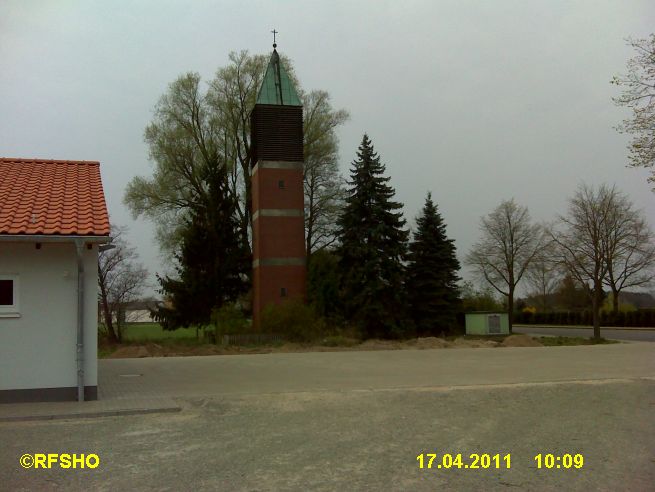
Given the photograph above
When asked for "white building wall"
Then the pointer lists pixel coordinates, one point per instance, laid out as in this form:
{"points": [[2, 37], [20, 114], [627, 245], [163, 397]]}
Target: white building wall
{"points": [[38, 349], [139, 316]]}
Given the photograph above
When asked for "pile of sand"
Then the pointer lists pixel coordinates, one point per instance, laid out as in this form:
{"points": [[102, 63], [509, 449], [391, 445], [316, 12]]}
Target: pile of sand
{"points": [[474, 343], [429, 343], [376, 344], [437, 343], [154, 350], [521, 341]]}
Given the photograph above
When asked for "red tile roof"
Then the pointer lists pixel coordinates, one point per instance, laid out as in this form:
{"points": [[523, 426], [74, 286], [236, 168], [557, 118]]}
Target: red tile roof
{"points": [[39, 196]]}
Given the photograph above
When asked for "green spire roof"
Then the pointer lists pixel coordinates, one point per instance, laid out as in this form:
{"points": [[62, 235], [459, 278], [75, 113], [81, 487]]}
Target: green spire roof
{"points": [[277, 87]]}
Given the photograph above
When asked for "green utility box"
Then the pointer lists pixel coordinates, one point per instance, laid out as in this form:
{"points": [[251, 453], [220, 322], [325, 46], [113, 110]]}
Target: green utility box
{"points": [[487, 323]]}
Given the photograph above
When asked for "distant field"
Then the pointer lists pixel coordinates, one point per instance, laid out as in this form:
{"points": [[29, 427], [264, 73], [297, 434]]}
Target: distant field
{"points": [[137, 332]]}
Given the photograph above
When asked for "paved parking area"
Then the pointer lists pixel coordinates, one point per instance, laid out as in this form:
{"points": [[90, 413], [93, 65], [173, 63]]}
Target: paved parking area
{"points": [[342, 371], [358, 420]]}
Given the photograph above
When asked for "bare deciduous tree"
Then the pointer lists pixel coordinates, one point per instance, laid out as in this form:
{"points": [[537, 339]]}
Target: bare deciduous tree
{"points": [[509, 244], [630, 248], [582, 241], [121, 280], [543, 275]]}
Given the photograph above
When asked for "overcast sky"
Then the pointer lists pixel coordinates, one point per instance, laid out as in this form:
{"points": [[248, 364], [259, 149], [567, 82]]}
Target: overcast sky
{"points": [[475, 101]]}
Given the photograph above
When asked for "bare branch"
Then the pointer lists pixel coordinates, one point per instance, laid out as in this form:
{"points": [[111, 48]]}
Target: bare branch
{"points": [[508, 246], [121, 280]]}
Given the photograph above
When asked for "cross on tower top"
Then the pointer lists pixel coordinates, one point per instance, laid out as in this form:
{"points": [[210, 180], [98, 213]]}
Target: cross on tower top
{"points": [[274, 33]]}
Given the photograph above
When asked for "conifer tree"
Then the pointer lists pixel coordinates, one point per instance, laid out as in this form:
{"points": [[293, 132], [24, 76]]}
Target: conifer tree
{"points": [[432, 274], [213, 262], [373, 247]]}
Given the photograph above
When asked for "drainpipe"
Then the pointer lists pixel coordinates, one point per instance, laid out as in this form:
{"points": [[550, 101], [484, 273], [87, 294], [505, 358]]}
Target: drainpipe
{"points": [[79, 246]]}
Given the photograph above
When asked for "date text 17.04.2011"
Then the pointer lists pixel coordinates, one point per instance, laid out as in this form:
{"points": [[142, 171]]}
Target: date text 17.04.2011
{"points": [[473, 461]]}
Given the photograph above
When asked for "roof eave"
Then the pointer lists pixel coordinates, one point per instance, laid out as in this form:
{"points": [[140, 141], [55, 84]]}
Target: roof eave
{"points": [[52, 238]]}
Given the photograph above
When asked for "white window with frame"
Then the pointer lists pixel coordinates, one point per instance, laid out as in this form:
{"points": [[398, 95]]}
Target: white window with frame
{"points": [[9, 305]]}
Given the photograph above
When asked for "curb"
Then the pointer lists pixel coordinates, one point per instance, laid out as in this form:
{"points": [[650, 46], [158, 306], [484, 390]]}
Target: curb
{"points": [[586, 327], [90, 415]]}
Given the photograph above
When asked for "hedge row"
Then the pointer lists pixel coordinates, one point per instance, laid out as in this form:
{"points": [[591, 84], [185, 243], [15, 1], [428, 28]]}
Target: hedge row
{"points": [[639, 318]]}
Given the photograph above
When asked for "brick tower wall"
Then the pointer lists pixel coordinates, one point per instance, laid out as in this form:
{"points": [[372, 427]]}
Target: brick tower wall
{"points": [[279, 271]]}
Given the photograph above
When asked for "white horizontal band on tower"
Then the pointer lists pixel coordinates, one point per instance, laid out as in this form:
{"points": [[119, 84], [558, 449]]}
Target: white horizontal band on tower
{"points": [[278, 262], [278, 212], [277, 165]]}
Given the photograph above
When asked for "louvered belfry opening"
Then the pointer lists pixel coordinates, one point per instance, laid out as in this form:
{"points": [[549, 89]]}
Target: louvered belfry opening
{"points": [[276, 133], [279, 270]]}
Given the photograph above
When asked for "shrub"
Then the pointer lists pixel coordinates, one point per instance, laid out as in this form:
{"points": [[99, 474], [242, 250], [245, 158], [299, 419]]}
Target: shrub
{"points": [[228, 320], [641, 317], [293, 320]]}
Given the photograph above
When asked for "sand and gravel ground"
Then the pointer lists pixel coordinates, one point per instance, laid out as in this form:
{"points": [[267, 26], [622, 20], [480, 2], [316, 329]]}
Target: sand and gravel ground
{"points": [[151, 349], [358, 420]]}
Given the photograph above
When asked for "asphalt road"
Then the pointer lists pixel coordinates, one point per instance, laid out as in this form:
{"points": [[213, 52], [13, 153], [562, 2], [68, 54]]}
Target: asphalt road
{"points": [[358, 420], [647, 335]]}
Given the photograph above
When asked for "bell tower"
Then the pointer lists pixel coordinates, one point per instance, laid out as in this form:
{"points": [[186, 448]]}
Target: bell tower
{"points": [[279, 271]]}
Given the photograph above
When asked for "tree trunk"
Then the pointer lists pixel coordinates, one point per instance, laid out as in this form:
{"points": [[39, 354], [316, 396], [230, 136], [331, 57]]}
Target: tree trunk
{"points": [[510, 309], [544, 300], [615, 301], [308, 240], [106, 311], [309, 221], [246, 224], [119, 324], [595, 306]]}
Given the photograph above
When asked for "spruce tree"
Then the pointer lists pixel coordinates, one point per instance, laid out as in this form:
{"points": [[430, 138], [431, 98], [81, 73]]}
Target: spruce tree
{"points": [[432, 274], [323, 283], [213, 262], [373, 245]]}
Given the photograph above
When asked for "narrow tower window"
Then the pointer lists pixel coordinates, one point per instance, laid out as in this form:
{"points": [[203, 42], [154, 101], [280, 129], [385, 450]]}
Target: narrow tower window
{"points": [[280, 184], [283, 292]]}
